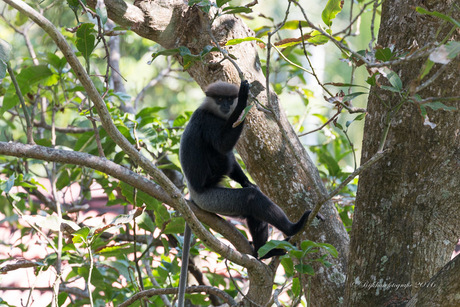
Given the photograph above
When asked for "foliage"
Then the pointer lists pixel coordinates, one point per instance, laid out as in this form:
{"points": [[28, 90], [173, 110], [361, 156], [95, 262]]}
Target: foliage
{"points": [[115, 259]]}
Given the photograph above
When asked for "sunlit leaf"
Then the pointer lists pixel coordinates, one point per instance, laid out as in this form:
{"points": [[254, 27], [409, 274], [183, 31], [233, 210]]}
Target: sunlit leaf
{"points": [[236, 10], [236, 41], [294, 24], [317, 38], [333, 7]]}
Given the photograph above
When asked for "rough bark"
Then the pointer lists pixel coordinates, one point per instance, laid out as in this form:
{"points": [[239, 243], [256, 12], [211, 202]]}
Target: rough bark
{"points": [[407, 206], [269, 145], [442, 290]]}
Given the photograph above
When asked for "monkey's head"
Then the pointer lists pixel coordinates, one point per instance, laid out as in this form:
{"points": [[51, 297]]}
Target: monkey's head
{"points": [[221, 98]]}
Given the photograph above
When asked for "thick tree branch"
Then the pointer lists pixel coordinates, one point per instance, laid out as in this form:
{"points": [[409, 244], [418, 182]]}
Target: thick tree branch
{"points": [[83, 159], [122, 173]]}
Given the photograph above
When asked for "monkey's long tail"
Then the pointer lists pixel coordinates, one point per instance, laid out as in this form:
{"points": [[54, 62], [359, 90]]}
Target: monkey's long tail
{"points": [[184, 267]]}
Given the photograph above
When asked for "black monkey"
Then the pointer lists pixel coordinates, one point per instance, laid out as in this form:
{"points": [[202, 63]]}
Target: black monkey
{"points": [[206, 156]]}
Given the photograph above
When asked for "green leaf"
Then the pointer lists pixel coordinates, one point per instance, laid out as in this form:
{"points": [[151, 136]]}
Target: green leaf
{"points": [[20, 19], [317, 38], [26, 78], [393, 78], [73, 4], [167, 52], [352, 96], [294, 25], [288, 266], [62, 297], [63, 179], [237, 41], [426, 68], [84, 140], [86, 39], [236, 10], [372, 80], [423, 111], [360, 117], [207, 49], [296, 287], [383, 54], [242, 115], [437, 105], [220, 3], [116, 251], [145, 222], [32, 75], [333, 7], [305, 269], [453, 49], [274, 244], [5, 51], [179, 121], [3, 69], [81, 235], [439, 15], [7, 185], [204, 5], [176, 225], [56, 61], [148, 111]]}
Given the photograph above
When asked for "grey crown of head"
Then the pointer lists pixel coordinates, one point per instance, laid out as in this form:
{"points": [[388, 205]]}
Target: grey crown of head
{"points": [[221, 88]]}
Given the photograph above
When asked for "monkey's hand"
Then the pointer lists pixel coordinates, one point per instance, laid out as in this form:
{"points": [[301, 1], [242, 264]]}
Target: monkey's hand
{"points": [[243, 93]]}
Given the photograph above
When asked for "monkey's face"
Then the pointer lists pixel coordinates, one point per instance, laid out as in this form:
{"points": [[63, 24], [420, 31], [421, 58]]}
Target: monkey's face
{"points": [[226, 105], [221, 106]]}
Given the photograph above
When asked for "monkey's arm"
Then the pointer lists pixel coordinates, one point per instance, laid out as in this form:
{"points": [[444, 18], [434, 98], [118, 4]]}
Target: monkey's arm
{"points": [[223, 136], [238, 175], [242, 102]]}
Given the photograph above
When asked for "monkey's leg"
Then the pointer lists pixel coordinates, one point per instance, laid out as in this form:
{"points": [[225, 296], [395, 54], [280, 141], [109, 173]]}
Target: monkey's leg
{"points": [[259, 233], [247, 202]]}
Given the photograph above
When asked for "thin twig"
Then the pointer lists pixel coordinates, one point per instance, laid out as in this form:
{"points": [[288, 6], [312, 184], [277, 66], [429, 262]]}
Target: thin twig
{"points": [[29, 126], [357, 172], [269, 45], [442, 69], [322, 126]]}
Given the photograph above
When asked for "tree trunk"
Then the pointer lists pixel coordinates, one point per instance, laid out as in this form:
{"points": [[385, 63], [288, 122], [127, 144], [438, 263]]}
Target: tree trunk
{"points": [[407, 208]]}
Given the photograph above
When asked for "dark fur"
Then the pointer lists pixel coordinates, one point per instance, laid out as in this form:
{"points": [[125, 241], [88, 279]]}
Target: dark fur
{"points": [[206, 155]]}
